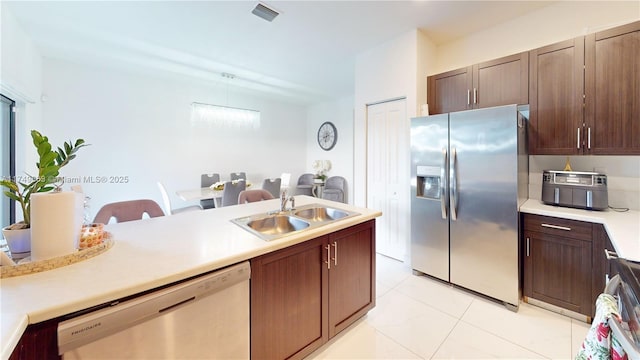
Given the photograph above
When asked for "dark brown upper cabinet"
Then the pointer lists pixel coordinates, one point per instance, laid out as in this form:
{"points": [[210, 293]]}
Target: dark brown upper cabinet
{"points": [[612, 91], [449, 91], [502, 81], [492, 83], [556, 84]]}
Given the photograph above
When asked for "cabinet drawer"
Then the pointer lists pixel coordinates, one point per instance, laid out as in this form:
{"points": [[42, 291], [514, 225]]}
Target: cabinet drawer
{"points": [[573, 229]]}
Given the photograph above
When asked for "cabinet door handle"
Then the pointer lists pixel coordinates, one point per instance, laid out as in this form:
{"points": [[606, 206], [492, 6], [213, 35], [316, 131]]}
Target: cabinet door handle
{"points": [[328, 262], [335, 253], [475, 95], [578, 146], [610, 255], [556, 227], [528, 241], [468, 97], [589, 138]]}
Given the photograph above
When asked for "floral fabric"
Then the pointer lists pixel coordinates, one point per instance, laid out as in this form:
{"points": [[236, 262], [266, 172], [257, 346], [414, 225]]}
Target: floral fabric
{"points": [[600, 344]]}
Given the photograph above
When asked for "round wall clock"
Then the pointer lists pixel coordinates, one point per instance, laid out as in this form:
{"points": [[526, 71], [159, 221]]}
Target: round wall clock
{"points": [[327, 136]]}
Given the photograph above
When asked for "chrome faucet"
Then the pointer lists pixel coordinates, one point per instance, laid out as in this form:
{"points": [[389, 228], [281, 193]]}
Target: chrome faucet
{"points": [[284, 199]]}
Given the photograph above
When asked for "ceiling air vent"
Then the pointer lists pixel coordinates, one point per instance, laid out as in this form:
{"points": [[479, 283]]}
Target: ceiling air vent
{"points": [[264, 12]]}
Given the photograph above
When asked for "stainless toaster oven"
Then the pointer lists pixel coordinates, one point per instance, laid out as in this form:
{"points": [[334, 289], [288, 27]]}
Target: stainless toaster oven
{"points": [[584, 190]]}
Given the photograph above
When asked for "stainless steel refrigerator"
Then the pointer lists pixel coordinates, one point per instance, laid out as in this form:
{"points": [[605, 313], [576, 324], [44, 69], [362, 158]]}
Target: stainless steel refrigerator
{"points": [[469, 176]]}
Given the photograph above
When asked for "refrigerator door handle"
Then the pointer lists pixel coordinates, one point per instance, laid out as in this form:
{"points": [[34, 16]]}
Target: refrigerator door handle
{"points": [[443, 184], [453, 188]]}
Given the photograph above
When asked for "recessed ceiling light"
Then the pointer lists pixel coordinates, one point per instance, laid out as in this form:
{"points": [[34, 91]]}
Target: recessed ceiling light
{"points": [[264, 12]]}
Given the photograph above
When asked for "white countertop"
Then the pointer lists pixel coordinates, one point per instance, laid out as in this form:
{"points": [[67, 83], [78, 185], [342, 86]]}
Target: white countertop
{"points": [[623, 228], [147, 254]]}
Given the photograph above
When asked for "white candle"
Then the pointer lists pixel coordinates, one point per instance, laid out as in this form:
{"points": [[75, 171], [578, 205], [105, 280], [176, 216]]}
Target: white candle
{"points": [[56, 222]]}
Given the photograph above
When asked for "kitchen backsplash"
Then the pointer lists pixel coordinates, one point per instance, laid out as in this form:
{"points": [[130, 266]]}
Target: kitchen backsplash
{"points": [[623, 175]]}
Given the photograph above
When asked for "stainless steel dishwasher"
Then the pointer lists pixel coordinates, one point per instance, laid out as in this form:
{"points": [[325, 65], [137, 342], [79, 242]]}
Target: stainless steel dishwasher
{"points": [[203, 318]]}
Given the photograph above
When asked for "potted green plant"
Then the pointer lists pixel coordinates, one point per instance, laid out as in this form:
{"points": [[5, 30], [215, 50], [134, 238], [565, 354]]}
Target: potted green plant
{"points": [[49, 164]]}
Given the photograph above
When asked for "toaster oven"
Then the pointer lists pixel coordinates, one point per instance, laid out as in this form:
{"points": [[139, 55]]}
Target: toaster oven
{"points": [[583, 190]]}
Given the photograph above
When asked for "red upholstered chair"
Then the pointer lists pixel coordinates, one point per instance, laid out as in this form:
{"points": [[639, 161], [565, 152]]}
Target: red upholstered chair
{"points": [[128, 211], [254, 195]]}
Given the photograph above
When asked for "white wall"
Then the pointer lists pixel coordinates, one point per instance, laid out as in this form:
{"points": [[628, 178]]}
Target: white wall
{"points": [[340, 113], [385, 72], [559, 21], [392, 70], [426, 59], [21, 81], [139, 127]]}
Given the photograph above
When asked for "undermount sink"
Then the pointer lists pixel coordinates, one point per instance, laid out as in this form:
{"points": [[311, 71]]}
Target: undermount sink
{"points": [[321, 214], [273, 225], [277, 224]]}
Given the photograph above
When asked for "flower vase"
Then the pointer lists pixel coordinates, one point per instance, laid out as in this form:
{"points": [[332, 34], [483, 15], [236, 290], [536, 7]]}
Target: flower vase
{"points": [[19, 242]]}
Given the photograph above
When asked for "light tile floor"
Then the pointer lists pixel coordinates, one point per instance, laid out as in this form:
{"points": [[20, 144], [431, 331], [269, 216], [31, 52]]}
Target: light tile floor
{"points": [[419, 318]]}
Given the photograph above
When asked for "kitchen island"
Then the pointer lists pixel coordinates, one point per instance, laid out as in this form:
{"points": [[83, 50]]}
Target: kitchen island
{"points": [[149, 254]]}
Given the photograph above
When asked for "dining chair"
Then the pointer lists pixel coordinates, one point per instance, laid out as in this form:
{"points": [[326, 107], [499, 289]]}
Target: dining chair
{"points": [[231, 192], [207, 180], [128, 211], [286, 179], [238, 176], [305, 184], [335, 189], [272, 186], [168, 209], [248, 196]]}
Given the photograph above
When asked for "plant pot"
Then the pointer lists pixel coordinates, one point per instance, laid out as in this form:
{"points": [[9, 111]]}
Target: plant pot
{"points": [[318, 181], [19, 242]]}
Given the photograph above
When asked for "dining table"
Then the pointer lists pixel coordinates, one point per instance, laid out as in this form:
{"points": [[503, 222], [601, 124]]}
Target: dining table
{"points": [[201, 194]]}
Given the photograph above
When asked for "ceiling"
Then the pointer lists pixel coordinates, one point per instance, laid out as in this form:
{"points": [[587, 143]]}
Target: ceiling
{"points": [[306, 54]]}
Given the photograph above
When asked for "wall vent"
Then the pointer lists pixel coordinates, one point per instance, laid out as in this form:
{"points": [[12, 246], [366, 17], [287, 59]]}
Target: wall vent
{"points": [[264, 12]]}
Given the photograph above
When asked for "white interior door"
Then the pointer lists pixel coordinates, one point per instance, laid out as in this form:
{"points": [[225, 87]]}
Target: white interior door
{"points": [[387, 177]]}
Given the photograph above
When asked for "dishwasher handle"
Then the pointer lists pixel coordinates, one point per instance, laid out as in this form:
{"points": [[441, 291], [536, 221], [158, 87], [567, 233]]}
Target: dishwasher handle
{"points": [[98, 324]]}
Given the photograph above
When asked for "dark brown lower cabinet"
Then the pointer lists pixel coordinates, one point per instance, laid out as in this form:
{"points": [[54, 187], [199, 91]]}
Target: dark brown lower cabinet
{"points": [[39, 341], [351, 275], [565, 262], [556, 269], [303, 295]]}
